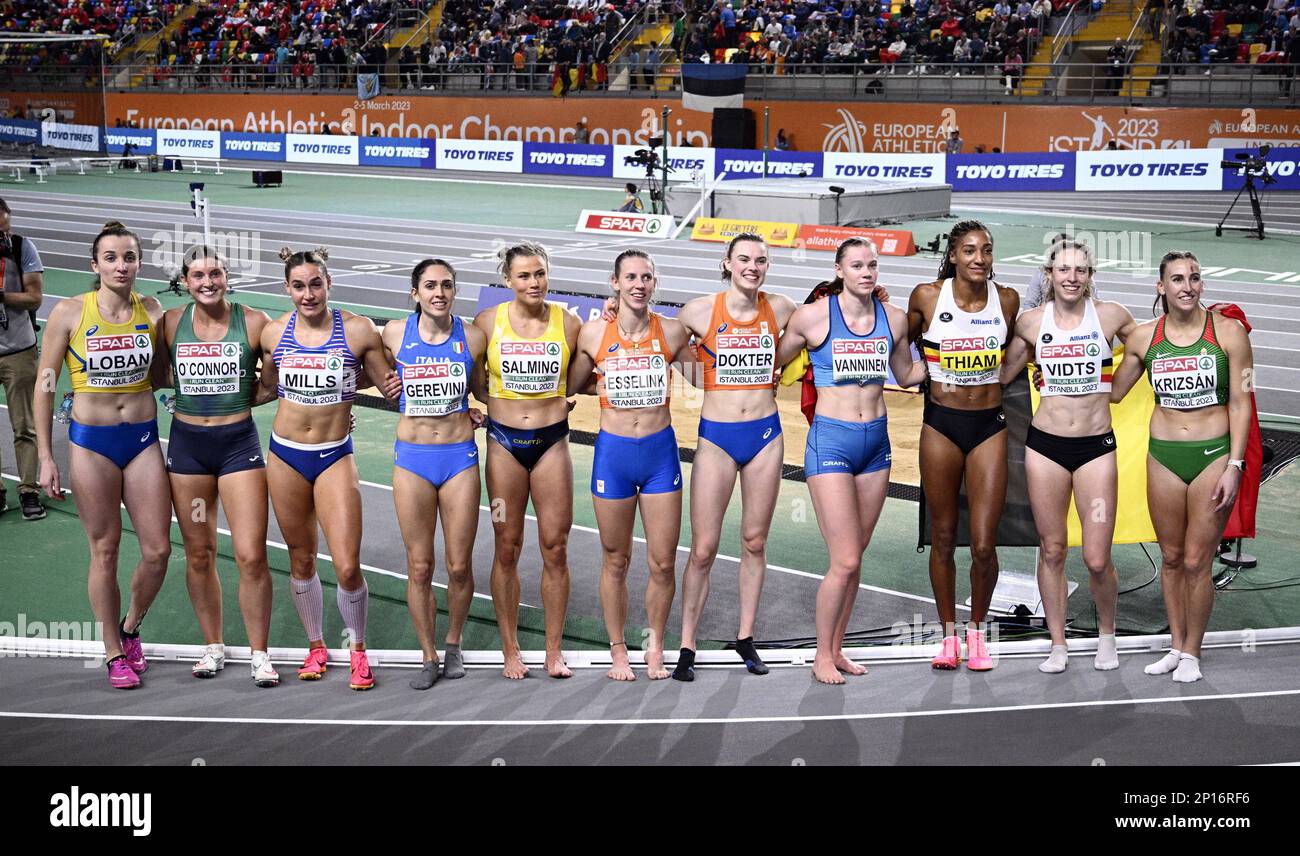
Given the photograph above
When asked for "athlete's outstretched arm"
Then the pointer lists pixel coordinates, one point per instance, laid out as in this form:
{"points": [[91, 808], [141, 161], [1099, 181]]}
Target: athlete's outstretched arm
{"points": [[54, 344], [907, 371], [582, 366], [1241, 383], [793, 340], [1135, 351]]}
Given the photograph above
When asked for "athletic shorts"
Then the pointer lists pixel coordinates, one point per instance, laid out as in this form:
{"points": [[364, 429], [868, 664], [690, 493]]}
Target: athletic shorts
{"points": [[742, 441], [965, 428], [527, 445], [1187, 459], [214, 450], [626, 466], [436, 463], [837, 446], [309, 460], [1070, 452], [119, 443]]}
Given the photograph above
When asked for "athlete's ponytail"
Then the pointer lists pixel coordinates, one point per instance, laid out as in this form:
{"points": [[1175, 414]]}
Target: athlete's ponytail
{"points": [[1171, 256], [947, 267], [318, 257]]}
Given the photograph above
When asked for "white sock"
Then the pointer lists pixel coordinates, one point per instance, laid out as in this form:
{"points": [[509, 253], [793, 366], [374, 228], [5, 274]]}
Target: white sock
{"points": [[1107, 656], [1165, 664], [308, 600], [1189, 669], [353, 606], [1056, 661]]}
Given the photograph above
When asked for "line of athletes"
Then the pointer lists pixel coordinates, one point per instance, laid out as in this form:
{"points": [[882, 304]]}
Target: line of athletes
{"points": [[525, 358]]}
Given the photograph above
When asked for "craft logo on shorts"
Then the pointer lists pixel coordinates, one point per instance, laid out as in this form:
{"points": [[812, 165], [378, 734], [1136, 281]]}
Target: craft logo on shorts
{"points": [[126, 810]]}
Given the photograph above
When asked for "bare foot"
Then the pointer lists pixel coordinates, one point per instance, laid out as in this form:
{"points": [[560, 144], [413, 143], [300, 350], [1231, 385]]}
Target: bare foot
{"points": [[621, 672], [556, 667], [515, 669], [844, 664], [826, 672], [654, 666]]}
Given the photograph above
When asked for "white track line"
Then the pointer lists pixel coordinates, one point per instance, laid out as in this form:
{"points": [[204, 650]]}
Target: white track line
{"points": [[657, 721]]}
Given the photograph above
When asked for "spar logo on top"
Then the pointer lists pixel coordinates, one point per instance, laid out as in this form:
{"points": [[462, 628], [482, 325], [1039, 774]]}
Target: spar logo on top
{"points": [[901, 168], [1016, 171], [568, 159], [142, 140], [387, 151], [743, 163], [481, 155], [685, 163], [1149, 169], [172, 142], [322, 148], [237, 146], [625, 223]]}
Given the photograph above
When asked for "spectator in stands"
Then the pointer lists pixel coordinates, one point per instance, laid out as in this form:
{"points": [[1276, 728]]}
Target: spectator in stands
{"points": [[952, 145], [782, 141], [1012, 69], [1116, 65], [580, 133], [650, 70], [434, 66], [632, 202]]}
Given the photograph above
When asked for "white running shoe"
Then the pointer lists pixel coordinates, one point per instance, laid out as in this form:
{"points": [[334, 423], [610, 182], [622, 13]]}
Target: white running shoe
{"points": [[264, 674], [212, 661]]}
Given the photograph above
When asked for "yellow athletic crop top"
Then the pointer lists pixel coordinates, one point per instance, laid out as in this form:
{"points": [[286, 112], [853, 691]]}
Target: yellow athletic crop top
{"points": [[527, 369], [105, 357]]}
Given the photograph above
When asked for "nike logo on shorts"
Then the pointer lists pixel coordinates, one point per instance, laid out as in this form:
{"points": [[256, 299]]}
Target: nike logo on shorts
{"points": [[1209, 452], [254, 458], [474, 454], [327, 454]]}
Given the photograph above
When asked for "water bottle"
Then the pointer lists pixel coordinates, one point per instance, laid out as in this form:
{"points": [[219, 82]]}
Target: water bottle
{"points": [[167, 401], [64, 413]]}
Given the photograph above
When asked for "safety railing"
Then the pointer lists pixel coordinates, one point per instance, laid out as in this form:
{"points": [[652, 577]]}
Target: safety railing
{"points": [[1223, 83]]}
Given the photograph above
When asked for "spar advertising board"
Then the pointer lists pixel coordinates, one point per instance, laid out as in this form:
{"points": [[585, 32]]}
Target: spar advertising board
{"points": [[624, 223]]}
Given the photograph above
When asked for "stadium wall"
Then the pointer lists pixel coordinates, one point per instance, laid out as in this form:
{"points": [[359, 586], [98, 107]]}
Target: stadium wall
{"points": [[832, 126]]}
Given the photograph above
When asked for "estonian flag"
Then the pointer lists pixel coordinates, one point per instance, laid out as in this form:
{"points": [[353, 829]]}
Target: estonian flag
{"points": [[706, 87]]}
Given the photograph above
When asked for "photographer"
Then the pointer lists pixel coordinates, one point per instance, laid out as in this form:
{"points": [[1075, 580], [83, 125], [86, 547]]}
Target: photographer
{"points": [[21, 273]]}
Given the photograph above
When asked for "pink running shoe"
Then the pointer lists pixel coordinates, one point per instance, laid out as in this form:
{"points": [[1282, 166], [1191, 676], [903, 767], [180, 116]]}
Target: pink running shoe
{"points": [[949, 654], [362, 677], [134, 651], [121, 675], [314, 666], [977, 653]]}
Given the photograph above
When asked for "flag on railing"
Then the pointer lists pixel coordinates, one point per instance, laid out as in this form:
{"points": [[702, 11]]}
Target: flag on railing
{"points": [[706, 87], [367, 86]]}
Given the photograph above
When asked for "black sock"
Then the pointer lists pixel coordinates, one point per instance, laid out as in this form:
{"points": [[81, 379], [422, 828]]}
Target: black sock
{"points": [[745, 648], [685, 670], [121, 629]]}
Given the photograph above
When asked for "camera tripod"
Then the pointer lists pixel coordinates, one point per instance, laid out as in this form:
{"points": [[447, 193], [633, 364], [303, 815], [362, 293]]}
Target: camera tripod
{"points": [[1258, 229]]}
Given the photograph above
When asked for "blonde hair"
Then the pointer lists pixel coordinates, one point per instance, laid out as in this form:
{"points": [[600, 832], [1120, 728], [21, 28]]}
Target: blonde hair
{"points": [[527, 249], [1061, 246]]}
